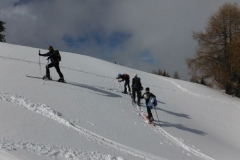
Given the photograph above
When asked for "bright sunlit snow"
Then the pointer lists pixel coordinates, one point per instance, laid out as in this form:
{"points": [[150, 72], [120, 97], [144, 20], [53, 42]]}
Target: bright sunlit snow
{"points": [[89, 118]]}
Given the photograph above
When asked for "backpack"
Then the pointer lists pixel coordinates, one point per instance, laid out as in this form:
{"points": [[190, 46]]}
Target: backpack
{"points": [[155, 102], [137, 83], [151, 101], [57, 55], [126, 76]]}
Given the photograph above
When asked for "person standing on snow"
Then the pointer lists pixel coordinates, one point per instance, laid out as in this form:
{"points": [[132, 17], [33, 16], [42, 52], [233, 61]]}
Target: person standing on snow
{"points": [[126, 78], [149, 98], [54, 62], [136, 88]]}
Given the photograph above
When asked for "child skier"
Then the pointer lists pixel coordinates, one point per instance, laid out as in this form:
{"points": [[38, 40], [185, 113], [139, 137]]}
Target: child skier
{"points": [[150, 102], [124, 77]]}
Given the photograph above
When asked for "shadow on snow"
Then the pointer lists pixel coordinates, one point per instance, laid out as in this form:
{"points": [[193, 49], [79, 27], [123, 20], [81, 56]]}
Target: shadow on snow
{"points": [[181, 127], [95, 89]]}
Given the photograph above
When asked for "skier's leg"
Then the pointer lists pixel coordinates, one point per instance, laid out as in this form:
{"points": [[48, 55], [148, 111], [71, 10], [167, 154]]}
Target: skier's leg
{"points": [[127, 84], [58, 71], [125, 87], [149, 113], [48, 70], [138, 96], [133, 94]]}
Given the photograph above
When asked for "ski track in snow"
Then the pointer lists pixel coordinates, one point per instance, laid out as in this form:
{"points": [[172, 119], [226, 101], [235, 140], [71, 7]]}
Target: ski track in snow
{"points": [[173, 139], [53, 151], [203, 96], [197, 94], [58, 117]]}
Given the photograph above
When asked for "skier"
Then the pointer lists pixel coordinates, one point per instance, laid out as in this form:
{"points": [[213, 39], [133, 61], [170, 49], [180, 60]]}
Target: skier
{"points": [[52, 55], [136, 88], [150, 100], [126, 78]]}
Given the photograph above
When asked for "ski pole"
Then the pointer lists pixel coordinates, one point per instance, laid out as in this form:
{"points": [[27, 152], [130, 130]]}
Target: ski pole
{"points": [[156, 113], [39, 63]]}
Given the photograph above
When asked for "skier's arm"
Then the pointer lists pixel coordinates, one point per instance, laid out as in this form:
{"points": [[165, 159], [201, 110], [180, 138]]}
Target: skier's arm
{"points": [[152, 95], [120, 80], [133, 82], [142, 96], [45, 55]]}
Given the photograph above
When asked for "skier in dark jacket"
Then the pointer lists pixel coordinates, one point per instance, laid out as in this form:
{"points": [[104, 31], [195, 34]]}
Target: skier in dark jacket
{"points": [[136, 88], [148, 96], [54, 62], [126, 78]]}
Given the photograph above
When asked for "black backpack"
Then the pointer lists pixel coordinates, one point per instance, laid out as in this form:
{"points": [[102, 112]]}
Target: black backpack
{"points": [[137, 83], [57, 55]]}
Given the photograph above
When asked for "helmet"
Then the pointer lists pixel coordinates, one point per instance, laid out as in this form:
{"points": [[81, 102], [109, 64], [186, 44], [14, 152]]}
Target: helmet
{"points": [[135, 75], [119, 75], [146, 96]]}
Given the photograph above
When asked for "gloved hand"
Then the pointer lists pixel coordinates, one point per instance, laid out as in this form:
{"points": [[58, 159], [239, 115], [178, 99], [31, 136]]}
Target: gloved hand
{"points": [[39, 54]]}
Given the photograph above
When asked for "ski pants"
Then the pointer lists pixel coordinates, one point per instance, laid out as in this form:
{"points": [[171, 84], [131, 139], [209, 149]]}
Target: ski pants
{"points": [[149, 112], [138, 92], [56, 65], [126, 84]]}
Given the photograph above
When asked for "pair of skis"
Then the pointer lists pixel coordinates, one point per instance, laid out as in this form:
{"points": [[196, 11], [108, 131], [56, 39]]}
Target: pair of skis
{"points": [[36, 77]]}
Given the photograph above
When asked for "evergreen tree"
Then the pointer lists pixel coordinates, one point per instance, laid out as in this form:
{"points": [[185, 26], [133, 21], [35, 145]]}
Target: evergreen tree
{"points": [[164, 73], [176, 75]]}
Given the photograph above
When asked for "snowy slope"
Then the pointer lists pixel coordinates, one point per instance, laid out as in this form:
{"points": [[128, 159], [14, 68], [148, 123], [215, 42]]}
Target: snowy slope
{"points": [[89, 117]]}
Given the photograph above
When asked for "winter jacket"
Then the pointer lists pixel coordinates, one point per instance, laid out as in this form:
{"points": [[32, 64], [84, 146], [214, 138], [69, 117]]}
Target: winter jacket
{"points": [[150, 100], [51, 56]]}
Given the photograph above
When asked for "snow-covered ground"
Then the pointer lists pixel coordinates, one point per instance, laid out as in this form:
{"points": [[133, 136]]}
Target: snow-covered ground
{"points": [[89, 117]]}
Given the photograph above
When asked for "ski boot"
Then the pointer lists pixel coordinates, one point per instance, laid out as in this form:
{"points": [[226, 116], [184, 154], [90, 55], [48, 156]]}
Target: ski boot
{"points": [[138, 103], [61, 80], [47, 77], [151, 119]]}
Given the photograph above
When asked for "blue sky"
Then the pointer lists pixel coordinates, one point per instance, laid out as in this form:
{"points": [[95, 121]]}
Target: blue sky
{"points": [[142, 34]]}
